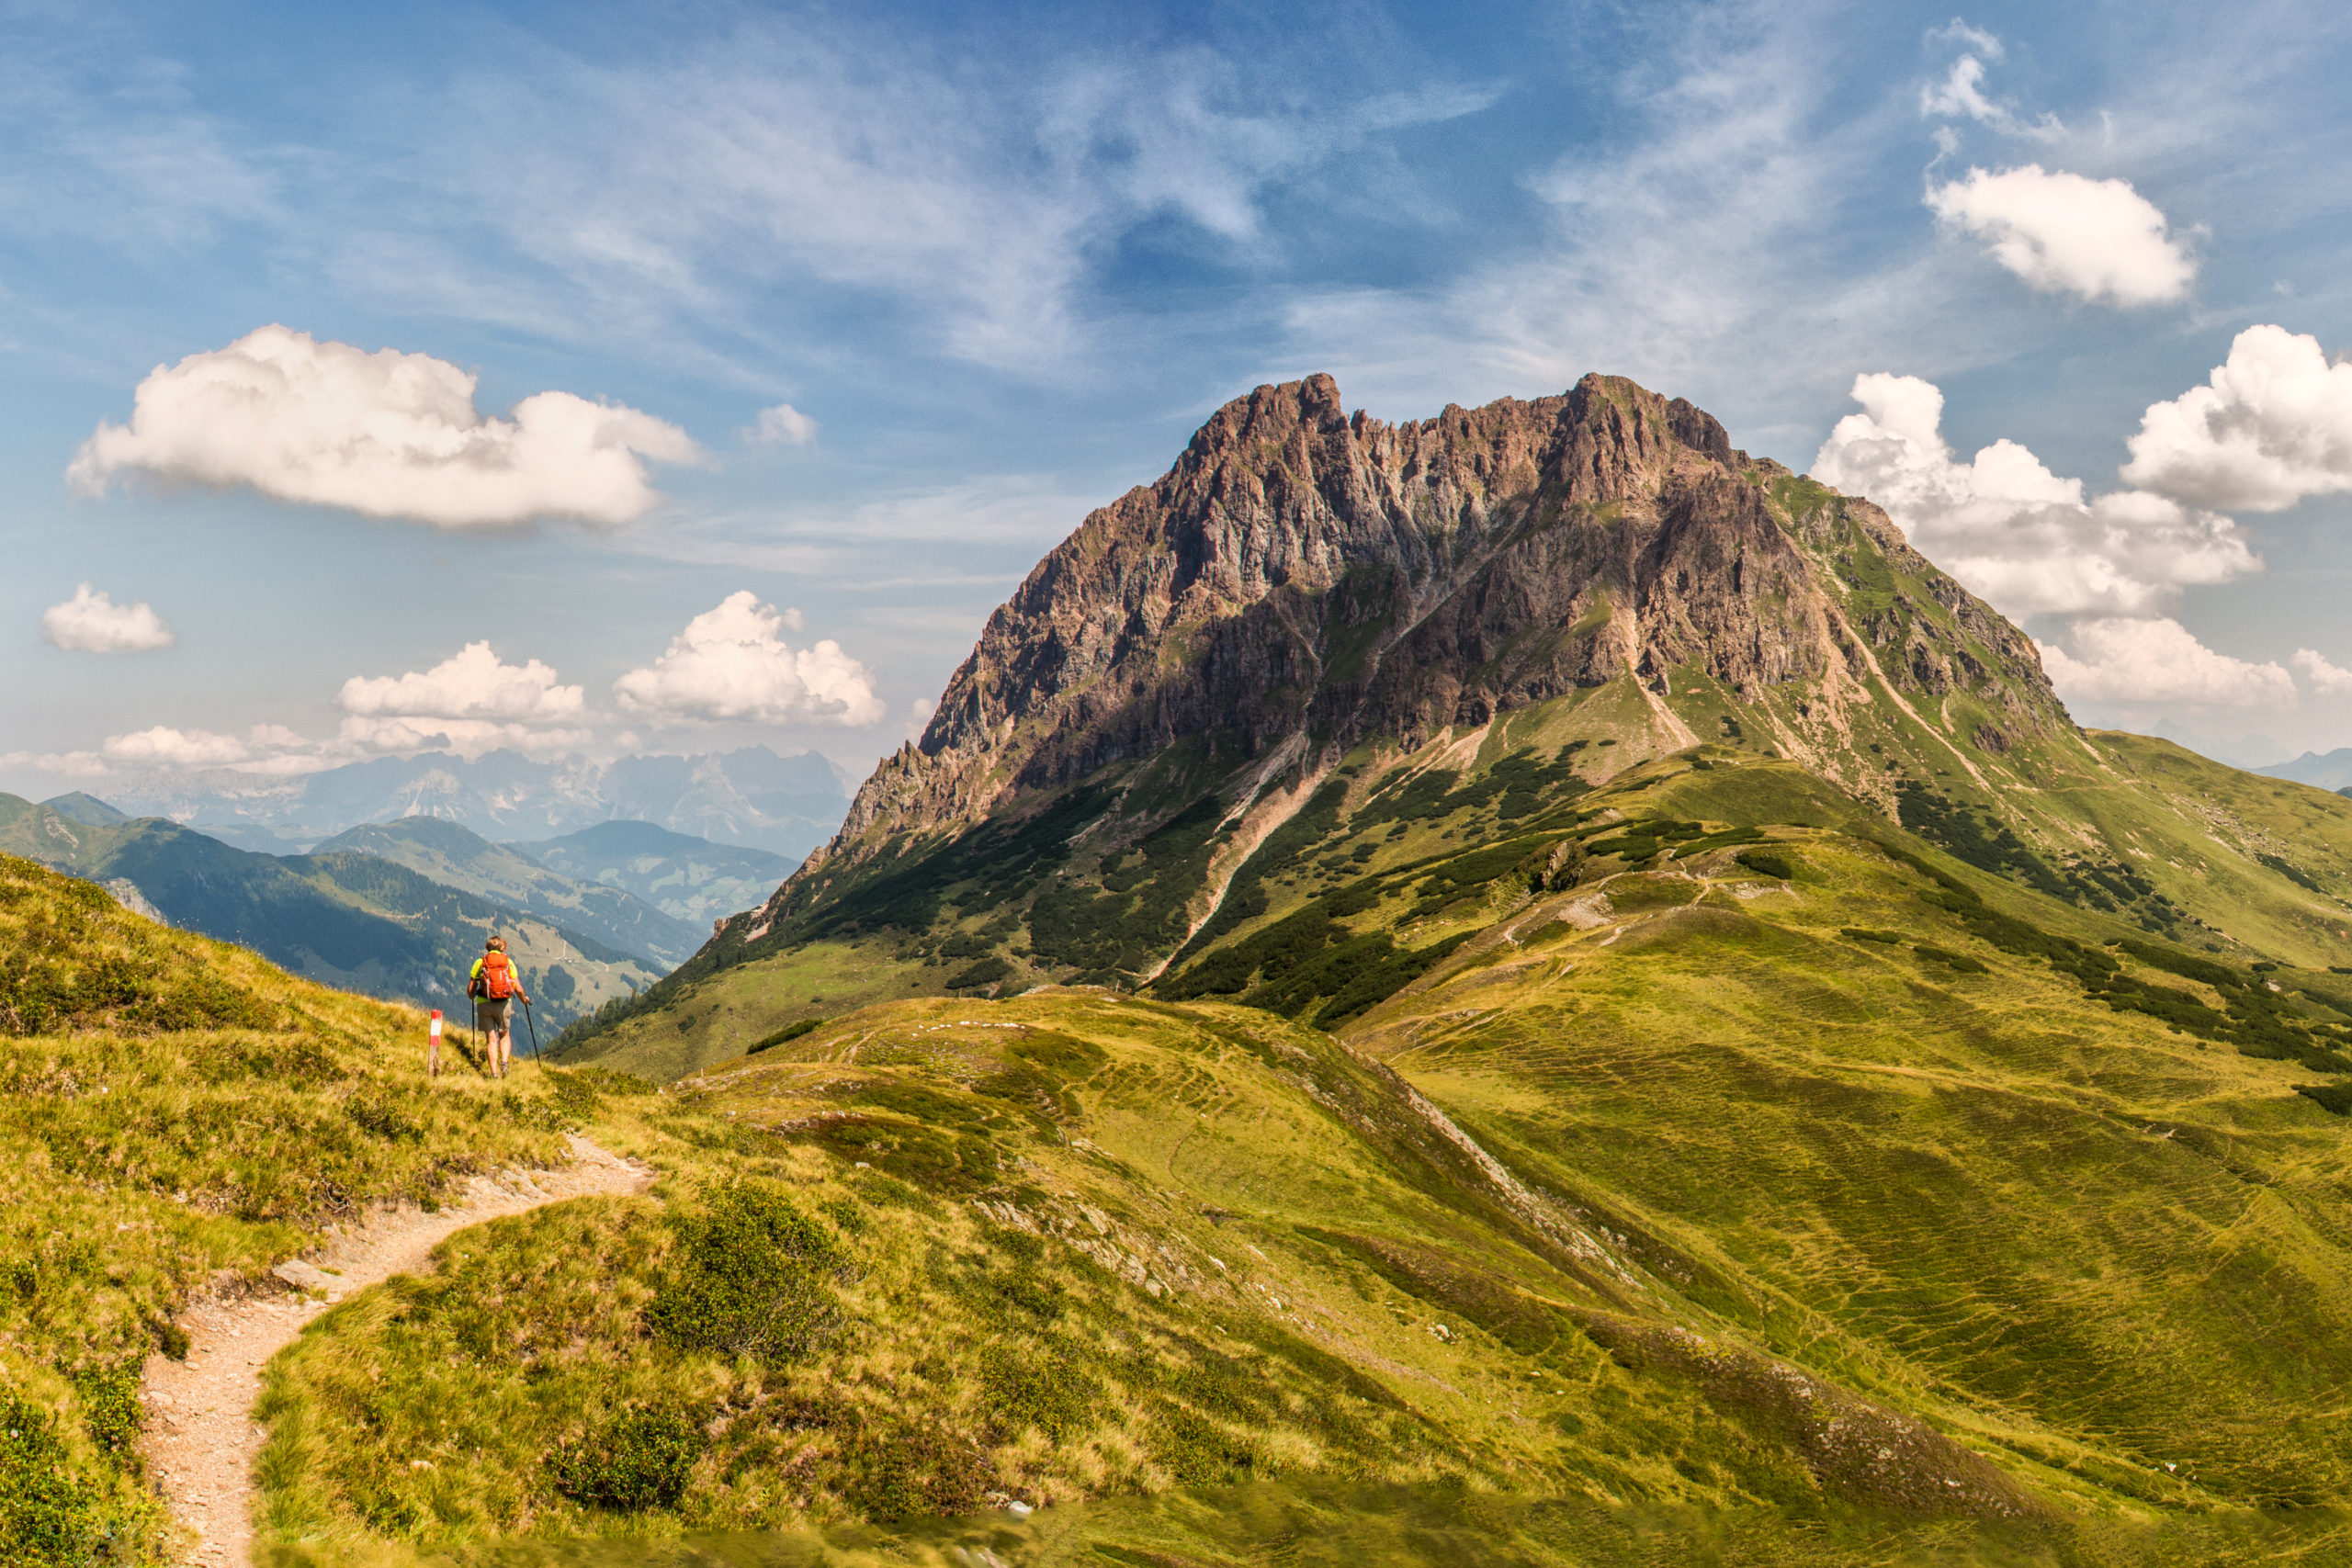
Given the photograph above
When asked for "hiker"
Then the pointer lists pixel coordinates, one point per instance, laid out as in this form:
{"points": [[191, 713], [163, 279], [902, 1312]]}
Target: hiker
{"points": [[496, 982]]}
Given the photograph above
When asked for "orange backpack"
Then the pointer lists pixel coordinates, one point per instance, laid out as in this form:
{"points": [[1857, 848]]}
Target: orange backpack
{"points": [[497, 977]]}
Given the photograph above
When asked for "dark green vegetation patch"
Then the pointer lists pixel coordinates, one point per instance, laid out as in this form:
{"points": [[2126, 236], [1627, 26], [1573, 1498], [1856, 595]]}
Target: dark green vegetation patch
{"points": [[751, 1276], [641, 1459]]}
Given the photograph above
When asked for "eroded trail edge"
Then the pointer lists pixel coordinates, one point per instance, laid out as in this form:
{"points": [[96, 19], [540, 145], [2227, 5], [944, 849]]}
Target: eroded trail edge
{"points": [[200, 1440]]}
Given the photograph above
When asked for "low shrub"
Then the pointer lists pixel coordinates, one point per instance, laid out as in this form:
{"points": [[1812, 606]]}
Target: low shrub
{"points": [[1196, 1450], [751, 1276], [789, 1032], [109, 1397], [2335, 1097], [48, 1514], [1040, 1387], [641, 1459], [907, 1471], [986, 972]]}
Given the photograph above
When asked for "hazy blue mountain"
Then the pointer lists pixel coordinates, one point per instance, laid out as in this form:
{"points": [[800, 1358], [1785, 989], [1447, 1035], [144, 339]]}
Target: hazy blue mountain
{"points": [[458, 857], [87, 809], [691, 879], [751, 797], [2331, 769], [347, 920]]}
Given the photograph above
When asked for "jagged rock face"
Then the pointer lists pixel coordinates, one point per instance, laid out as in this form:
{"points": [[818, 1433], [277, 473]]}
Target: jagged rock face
{"points": [[1302, 572]]}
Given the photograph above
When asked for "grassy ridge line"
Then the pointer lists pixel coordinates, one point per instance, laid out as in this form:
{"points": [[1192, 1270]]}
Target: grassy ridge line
{"points": [[176, 1116], [1081, 1247], [1737, 797], [1061, 1247]]}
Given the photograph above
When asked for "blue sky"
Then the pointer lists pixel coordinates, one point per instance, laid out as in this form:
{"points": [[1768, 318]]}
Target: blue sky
{"points": [[986, 266]]}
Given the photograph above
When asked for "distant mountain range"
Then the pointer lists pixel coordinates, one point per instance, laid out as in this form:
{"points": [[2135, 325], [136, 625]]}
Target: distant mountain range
{"points": [[691, 879], [458, 857], [2331, 769], [360, 921], [753, 797]]}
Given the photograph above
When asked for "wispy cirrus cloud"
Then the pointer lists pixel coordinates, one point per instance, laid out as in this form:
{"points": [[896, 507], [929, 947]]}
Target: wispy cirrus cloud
{"points": [[1723, 238], [102, 139], [974, 206], [1961, 91]]}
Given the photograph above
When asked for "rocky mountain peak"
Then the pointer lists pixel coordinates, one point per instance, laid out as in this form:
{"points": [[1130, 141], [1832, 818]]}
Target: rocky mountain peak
{"points": [[1301, 574]]}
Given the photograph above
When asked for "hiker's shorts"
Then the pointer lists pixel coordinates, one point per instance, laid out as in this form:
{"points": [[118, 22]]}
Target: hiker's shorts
{"points": [[494, 1012]]}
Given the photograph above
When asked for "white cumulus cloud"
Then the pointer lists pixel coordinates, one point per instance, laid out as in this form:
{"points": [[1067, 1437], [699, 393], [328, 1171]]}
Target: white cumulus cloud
{"points": [[2158, 660], [2272, 424], [91, 622], [2064, 234], [472, 682], [2322, 677], [783, 426], [167, 747], [731, 663], [2025, 538], [387, 434], [264, 748], [470, 702]]}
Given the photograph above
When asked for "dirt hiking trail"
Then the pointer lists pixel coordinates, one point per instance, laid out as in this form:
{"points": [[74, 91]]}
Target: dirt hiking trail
{"points": [[201, 1442]]}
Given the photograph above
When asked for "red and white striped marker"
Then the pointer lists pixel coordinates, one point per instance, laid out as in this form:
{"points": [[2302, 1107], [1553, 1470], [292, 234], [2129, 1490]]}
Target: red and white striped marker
{"points": [[436, 1026], [433, 1050]]}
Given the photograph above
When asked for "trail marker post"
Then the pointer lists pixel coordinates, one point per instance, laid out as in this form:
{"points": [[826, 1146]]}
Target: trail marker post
{"points": [[433, 1047]]}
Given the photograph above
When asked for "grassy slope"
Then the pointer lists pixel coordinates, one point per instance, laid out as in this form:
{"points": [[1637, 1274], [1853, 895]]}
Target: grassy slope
{"points": [[1107, 1246], [1104, 1247], [1940, 1174], [2077, 1235], [178, 1115]]}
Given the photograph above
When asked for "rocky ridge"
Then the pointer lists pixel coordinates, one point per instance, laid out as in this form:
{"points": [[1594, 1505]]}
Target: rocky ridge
{"points": [[1305, 575]]}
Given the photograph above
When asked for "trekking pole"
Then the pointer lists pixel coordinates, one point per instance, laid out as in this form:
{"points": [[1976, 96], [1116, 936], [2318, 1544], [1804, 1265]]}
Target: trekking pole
{"points": [[534, 1024]]}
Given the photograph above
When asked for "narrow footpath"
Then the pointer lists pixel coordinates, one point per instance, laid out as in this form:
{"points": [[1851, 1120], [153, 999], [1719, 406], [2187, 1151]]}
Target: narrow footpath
{"points": [[200, 1441]]}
